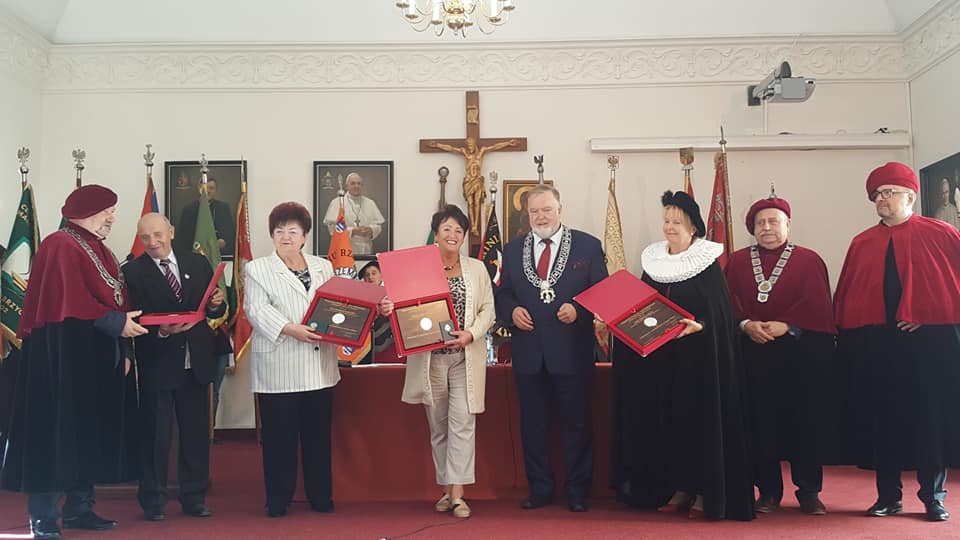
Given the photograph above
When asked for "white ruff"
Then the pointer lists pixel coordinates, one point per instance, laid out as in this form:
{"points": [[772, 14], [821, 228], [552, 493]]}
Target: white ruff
{"points": [[663, 267]]}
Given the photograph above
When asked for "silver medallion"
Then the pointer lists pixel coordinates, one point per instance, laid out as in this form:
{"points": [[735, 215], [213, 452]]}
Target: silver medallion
{"points": [[762, 297], [650, 322], [426, 323], [338, 318], [764, 286], [546, 292]]}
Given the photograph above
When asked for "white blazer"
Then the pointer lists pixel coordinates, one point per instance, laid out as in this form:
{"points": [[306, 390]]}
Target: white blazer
{"points": [[273, 297]]}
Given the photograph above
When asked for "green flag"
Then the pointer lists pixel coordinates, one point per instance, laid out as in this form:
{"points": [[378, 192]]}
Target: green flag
{"points": [[205, 243], [23, 244]]}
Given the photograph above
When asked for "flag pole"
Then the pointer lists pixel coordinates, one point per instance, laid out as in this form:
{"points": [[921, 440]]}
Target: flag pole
{"points": [[23, 155], [686, 159], [539, 161], [78, 156], [726, 189], [443, 172], [148, 160]]}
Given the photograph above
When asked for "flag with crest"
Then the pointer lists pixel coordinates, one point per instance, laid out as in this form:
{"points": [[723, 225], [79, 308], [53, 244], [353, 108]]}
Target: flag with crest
{"points": [[491, 247], [242, 255], [719, 226], [149, 205], [340, 252], [18, 259], [205, 243]]}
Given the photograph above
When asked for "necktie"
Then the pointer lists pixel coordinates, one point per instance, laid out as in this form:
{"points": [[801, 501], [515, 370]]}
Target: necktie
{"points": [[171, 279], [543, 265]]}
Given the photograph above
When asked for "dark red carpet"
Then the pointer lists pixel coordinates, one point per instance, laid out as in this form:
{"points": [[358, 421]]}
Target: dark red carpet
{"points": [[237, 502]]}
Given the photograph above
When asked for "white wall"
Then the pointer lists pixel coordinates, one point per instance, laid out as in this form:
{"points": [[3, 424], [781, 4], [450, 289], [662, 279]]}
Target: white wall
{"points": [[936, 114], [19, 126]]}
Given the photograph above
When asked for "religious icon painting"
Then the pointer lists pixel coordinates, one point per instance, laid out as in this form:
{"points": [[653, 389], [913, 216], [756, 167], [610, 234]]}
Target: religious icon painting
{"points": [[940, 190], [516, 222], [182, 199], [364, 190]]}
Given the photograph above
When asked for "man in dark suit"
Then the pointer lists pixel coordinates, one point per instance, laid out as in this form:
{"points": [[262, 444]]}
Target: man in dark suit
{"points": [[552, 343], [176, 365], [223, 223]]}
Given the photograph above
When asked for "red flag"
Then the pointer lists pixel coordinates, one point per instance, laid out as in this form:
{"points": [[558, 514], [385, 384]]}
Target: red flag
{"points": [[242, 255], [719, 226], [341, 253], [149, 205], [688, 187]]}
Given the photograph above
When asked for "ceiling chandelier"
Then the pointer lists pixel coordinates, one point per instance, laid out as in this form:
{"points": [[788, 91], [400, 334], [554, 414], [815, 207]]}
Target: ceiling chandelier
{"points": [[457, 15]]}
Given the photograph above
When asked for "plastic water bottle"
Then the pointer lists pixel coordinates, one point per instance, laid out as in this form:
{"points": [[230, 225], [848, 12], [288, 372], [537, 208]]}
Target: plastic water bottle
{"points": [[491, 350]]}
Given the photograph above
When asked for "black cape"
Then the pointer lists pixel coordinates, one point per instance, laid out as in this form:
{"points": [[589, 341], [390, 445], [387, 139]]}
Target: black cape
{"points": [[71, 412], [679, 419], [904, 389]]}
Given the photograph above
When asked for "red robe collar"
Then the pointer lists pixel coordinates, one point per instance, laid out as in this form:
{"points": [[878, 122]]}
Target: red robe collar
{"points": [[801, 296], [927, 253], [65, 283]]}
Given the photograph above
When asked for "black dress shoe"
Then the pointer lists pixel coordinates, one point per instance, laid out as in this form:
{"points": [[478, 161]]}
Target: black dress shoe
{"points": [[154, 514], [90, 522], [326, 507], [45, 529], [197, 510], [276, 512], [533, 502], [881, 509], [578, 506], [936, 511]]}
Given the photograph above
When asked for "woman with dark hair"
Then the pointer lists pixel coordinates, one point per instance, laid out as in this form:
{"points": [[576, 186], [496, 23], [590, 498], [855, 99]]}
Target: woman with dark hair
{"points": [[450, 382], [292, 370], [679, 433]]}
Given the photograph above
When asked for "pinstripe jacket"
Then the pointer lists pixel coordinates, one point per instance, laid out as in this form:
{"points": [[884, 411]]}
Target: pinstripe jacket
{"points": [[273, 297]]}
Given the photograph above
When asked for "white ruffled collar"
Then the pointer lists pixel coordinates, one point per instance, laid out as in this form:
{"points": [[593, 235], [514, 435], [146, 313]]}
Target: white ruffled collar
{"points": [[663, 267]]}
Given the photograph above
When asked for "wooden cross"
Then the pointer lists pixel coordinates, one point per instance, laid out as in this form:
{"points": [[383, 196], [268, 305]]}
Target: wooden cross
{"points": [[473, 148]]}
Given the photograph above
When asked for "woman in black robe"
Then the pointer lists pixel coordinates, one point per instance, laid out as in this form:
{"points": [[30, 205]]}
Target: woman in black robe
{"points": [[679, 428]]}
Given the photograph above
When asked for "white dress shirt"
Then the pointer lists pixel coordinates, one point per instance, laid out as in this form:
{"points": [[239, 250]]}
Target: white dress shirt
{"points": [[175, 268], [539, 246]]}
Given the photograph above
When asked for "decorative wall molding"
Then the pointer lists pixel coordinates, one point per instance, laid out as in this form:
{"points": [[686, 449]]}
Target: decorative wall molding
{"points": [[932, 38], [507, 65], [24, 53]]}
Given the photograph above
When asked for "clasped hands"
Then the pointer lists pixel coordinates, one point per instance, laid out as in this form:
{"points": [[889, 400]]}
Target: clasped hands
{"points": [[463, 337], [567, 314]]}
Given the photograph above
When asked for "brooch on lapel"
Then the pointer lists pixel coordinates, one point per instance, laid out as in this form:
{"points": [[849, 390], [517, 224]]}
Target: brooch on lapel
{"points": [[186, 276]]}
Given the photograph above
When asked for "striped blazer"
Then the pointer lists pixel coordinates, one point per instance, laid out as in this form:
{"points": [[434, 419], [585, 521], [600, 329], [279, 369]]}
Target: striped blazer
{"points": [[273, 297]]}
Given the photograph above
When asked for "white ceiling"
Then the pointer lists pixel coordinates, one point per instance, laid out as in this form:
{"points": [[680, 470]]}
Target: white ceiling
{"points": [[373, 21]]}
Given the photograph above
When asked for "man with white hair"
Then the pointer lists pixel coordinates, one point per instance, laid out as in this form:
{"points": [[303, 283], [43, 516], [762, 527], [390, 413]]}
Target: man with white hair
{"points": [[947, 211], [364, 220]]}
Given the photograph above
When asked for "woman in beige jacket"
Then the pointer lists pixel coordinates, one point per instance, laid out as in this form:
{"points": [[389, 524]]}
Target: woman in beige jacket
{"points": [[450, 382]]}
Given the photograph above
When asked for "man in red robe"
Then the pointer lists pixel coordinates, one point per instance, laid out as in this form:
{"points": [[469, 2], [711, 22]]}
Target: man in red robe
{"points": [[67, 425], [781, 295], [897, 307]]}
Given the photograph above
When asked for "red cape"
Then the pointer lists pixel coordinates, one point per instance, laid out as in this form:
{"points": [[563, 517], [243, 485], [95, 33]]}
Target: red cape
{"points": [[801, 296], [64, 282], [928, 263]]}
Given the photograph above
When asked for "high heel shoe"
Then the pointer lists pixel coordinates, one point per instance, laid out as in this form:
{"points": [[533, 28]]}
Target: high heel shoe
{"points": [[696, 509], [680, 502]]}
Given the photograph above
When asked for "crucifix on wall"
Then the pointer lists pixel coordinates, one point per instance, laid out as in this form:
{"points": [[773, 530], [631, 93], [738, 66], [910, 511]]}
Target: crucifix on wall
{"points": [[473, 148]]}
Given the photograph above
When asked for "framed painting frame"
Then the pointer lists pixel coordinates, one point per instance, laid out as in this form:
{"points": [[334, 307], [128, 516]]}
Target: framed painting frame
{"points": [[181, 192], [370, 212], [516, 223]]}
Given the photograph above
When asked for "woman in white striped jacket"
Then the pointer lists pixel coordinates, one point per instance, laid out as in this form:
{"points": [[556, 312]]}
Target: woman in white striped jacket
{"points": [[292, 371]]}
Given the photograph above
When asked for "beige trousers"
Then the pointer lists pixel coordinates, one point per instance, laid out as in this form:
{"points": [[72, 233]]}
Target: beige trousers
{"points": [[452, 427]]}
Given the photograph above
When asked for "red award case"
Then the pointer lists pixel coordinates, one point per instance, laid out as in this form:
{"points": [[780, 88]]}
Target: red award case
{"points": [[350, 292], [620, 296], [152, 319], [412, 277]]}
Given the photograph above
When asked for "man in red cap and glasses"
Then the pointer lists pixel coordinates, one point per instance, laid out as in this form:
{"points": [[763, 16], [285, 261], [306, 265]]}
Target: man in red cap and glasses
{"points": [[781, 295], [67, 425], [897, 306]]}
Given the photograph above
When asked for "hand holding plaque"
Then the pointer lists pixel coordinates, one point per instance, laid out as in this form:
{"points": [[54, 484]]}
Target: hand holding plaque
{"points": [[343, 310], [635, 312]]}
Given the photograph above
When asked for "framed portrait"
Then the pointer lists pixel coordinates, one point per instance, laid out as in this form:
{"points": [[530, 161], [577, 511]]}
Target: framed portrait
{"points": [[516, 222], [367, 188], [182, 200], [940, 190]]}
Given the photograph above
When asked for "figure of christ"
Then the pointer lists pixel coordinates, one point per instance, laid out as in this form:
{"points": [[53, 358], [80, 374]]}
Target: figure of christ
{"points": [[473, 186]]}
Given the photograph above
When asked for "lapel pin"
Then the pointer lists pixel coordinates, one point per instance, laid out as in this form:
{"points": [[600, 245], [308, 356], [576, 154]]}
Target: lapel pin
{"points": [[186, 276]]}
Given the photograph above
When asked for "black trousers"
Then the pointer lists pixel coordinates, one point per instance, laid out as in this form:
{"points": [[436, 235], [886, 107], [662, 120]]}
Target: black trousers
{"points": [[285, 418], [572, 393], [807, 477], [190, 405], [932, 481], [80, 500]]}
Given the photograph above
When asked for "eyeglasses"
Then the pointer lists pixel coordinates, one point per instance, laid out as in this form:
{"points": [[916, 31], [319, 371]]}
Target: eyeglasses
{"points": [[885, 193]]}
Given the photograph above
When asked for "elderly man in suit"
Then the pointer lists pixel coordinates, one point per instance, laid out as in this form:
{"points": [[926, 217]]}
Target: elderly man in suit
{"points": [[176, 366], [552, 342], [292, 371]]}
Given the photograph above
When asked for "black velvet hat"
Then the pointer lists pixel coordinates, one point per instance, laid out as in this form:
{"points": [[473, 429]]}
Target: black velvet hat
{"points": [[364, 268], [689, 206]]}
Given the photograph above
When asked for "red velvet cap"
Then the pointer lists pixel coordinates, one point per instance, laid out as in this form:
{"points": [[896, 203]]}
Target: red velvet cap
{"points": [[892, 173], [763, 204], [88, 200]]}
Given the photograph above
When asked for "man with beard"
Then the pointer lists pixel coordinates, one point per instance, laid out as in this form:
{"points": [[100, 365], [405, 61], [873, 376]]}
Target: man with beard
{"points": [[68, 417], [552, 343]]}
